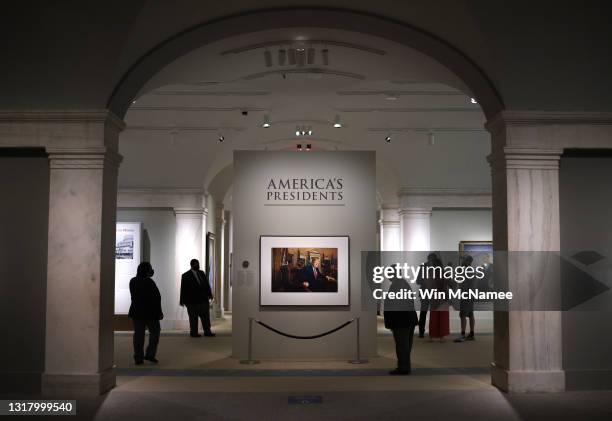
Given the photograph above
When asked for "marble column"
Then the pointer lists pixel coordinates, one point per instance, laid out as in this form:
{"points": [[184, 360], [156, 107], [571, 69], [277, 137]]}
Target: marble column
{"points": [[527, 344], [415, 228], [219, 260], [390, 230], [80, 271], [189, 244]]}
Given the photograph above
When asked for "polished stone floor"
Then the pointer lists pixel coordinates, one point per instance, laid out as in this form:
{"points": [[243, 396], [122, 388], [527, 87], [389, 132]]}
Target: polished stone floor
{"points": [[198, 380]]}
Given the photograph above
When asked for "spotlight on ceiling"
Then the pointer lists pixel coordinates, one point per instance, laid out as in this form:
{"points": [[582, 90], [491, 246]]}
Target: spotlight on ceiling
{"points": [[388, 138], [308, 147], [282, 57], [297, 131], [310, 55], [309, 131], [432, 138], [221, 138], [268, 58], [291, 56], [299, 146], [325, 55], [266, 121], [337, 122], [473, 101]]}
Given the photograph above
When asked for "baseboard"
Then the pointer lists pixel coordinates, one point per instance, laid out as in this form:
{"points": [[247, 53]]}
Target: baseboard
{"points": [[588, 379]]}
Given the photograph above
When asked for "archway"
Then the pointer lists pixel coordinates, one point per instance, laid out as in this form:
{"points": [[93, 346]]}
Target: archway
{"points": [[163, 55]]}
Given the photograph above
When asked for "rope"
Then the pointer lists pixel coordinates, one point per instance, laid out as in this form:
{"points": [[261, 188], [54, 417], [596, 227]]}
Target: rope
{"points": [[304, 337]]}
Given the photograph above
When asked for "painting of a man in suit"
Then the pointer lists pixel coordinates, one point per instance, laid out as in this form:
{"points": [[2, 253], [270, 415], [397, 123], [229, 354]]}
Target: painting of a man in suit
{"points": [[304, 270]]}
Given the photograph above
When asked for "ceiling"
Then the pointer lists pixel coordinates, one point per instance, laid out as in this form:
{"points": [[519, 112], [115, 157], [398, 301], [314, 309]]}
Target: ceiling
{"points": [[375, 87]]}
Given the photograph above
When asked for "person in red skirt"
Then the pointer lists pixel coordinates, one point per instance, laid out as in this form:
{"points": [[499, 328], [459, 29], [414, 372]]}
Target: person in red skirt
{"points": [[439, 326]]}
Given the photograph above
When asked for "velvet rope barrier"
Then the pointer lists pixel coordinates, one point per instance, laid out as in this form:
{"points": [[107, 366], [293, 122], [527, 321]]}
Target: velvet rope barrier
{"points": [[288, 335]]}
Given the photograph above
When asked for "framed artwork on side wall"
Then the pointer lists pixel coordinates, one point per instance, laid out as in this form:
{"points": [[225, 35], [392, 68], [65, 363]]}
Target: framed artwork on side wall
{"points": [[210, 261]]}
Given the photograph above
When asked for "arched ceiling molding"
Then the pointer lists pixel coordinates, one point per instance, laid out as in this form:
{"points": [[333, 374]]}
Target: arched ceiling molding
{"points": [[180, 44], [221, 183]]}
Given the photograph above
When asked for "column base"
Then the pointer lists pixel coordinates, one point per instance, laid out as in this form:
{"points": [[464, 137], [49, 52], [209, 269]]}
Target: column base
{"points": [[78, 384], [524, 381]]}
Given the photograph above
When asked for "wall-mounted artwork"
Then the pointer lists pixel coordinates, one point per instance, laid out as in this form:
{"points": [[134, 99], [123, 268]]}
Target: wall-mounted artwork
{"points": [[210, 261], [304, 271], [481, 251], [128, 255]]}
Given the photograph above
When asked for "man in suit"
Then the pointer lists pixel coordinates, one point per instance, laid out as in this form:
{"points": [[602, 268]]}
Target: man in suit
{"points": [[195, 294], [401, 319], [312, 279]]}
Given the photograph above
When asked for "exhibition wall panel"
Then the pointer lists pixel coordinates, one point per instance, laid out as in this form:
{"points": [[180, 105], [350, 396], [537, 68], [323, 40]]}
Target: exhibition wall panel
{"points": [[259, 211], [585, 186], [23, 270], [158, 235]]}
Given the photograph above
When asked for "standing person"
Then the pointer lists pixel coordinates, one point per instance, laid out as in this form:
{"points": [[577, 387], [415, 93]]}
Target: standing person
{"points": [[432, 259], [145, 312], [401, 318], [439, 325], [196, 294], [466, 306]]}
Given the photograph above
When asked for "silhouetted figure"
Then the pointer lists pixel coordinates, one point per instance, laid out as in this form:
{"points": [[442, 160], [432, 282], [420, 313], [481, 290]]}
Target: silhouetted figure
{"points": [[145, 312], [401, 318], [432, 260], [466, 305], [195, 294]]}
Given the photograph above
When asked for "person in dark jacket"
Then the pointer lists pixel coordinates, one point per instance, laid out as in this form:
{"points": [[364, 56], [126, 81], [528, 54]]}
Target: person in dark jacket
{"points": [[401, 319], [196, 294], [145, 312]]}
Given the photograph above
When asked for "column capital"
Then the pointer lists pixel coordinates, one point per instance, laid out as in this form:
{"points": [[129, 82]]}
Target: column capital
{"points": [[525, 157], [190, 212], [415, 212], [83, 158]]}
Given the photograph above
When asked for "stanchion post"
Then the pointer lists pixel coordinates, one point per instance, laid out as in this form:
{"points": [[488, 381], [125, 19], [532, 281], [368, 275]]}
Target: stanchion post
{"points": [[250, 359], [358, 360]]}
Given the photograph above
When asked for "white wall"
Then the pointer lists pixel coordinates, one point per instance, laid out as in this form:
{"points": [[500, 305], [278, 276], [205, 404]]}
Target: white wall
{"points": [[159, 226], [450, 226], [252, 171]]}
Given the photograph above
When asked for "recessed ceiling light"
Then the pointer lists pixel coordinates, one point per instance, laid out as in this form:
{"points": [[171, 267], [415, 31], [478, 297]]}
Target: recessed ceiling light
{"points": [[473, 101], [388, 138], [221, 138]]}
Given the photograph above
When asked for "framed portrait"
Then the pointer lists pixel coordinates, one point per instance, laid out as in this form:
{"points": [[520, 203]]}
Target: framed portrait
{"points": [[210, 261], [481, 251], [304, 271]]}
